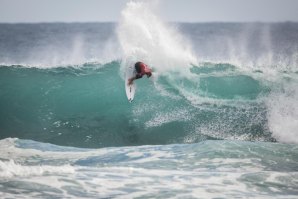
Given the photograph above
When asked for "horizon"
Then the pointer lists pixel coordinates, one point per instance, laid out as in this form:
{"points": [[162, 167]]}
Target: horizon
{"points": [[109, 11], [178, 22]]}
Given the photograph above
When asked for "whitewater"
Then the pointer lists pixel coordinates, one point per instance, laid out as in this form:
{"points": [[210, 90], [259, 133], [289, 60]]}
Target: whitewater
{"points": [[218, 118]]}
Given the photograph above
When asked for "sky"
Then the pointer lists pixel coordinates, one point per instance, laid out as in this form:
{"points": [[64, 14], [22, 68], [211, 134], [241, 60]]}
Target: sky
{"points": [[15, 11]]}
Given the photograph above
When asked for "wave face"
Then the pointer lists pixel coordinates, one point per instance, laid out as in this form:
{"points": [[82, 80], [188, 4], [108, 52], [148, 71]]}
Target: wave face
{"points": [[87, 106]]}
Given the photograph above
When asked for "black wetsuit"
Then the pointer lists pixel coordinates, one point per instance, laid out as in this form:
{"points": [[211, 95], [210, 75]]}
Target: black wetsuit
{"points": [[138, 67], [142, 69]]}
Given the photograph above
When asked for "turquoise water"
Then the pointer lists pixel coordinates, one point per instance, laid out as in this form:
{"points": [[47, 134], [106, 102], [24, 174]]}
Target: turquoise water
{"points": [[86, 106]]}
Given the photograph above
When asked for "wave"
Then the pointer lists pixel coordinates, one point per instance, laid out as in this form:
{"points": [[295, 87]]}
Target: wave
{"points": [[86, 106], [39, 170]]}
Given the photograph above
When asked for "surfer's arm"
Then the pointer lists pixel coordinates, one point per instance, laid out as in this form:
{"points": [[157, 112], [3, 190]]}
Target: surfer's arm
{"points": [[138, 76], [130, 80]]}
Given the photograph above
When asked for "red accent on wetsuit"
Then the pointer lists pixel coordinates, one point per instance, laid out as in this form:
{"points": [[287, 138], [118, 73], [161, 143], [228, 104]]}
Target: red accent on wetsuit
{"points": [[145, 70]]}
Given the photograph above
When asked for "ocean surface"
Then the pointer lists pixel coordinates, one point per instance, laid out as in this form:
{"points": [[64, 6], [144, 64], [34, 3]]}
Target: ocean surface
{"points": [[218, 118]]}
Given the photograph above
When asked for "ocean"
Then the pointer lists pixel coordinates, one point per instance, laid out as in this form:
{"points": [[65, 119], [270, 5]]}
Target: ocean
{"points": [[217, 119]]}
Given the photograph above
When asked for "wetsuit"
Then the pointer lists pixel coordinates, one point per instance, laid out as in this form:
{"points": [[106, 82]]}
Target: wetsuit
{"points": [[142, 69]]}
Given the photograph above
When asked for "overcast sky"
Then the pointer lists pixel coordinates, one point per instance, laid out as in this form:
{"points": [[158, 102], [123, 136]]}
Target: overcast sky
{"points": [[12, 11]]}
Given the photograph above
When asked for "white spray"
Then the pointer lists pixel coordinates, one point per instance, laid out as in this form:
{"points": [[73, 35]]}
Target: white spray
{"points": [[144, 37], [283, 113]]}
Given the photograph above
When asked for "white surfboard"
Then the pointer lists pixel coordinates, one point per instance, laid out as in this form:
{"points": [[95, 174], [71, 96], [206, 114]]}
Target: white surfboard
{"points": [[130, 91]]}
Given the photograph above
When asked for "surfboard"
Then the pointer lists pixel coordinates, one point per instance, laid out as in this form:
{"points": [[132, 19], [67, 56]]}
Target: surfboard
{"points": [[130, 91]]}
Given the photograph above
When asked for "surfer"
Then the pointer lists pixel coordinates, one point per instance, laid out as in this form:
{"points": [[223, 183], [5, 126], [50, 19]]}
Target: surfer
{"points": [[141, 69]]}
